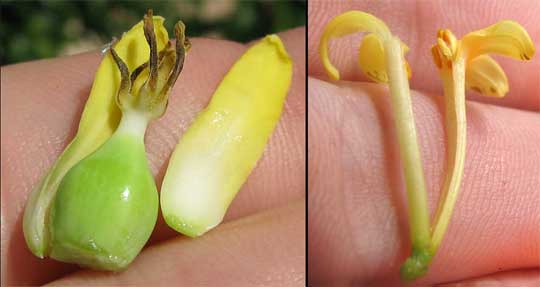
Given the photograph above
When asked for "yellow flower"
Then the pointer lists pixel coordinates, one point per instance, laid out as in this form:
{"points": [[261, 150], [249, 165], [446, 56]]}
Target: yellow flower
{"points": [[483, 74], [464, 64], [381, 58]]}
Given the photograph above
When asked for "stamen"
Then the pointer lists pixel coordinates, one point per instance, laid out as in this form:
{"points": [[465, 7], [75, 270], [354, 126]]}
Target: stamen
{"points": [[450, 40], [447, 47], [445, 50]]}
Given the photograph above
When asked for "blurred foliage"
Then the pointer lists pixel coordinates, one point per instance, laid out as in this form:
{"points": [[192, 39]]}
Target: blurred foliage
{"points": [[40, 29]]}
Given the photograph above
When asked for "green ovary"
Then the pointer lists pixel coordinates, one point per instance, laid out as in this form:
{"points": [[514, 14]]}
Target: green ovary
{"points": [[106, 207]]}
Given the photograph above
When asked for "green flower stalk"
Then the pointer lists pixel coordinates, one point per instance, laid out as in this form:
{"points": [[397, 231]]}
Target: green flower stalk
{"points": [[105, 206]]}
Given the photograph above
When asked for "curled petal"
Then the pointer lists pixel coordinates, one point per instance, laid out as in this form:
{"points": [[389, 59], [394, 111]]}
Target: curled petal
{"points": [[345, 24], [506, 38], [485, 76], [371, 58]]}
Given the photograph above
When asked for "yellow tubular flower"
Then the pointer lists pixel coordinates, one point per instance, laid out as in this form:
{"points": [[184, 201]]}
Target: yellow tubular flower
{"points": [[381, 58], [463, 65]]}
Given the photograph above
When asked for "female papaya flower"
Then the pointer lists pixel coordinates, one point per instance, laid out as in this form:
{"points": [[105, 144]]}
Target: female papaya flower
{"points": [[464, 64], [381, 58], [98, 205]]}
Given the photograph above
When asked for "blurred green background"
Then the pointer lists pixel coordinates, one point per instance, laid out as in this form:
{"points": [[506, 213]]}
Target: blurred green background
{"points": [[41, 29]]}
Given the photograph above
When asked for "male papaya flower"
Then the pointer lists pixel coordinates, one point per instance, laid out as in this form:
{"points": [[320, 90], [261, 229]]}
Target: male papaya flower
{"points": [[99, 207], [464, 64], [381, 57]]}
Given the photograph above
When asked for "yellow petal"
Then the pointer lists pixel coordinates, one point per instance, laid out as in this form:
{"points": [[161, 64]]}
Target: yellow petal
{"points": [[506, 38], [216, 154], [371, 58], [98, 121], [485, 76], [345, 24]]}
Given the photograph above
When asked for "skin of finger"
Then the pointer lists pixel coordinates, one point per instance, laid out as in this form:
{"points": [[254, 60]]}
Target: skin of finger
{"points": [[359, 232], [522, 278], [234, 255], [416, 23], [41, 106]]}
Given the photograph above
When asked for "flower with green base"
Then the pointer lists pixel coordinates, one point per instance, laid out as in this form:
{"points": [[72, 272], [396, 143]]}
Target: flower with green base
{"points": [[98, 205], [219, 150]]}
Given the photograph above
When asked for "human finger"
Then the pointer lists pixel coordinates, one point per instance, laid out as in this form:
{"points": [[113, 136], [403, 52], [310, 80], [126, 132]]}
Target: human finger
{"points": [[41, 106], [522, 278], [358, 230], [263, 249]]}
